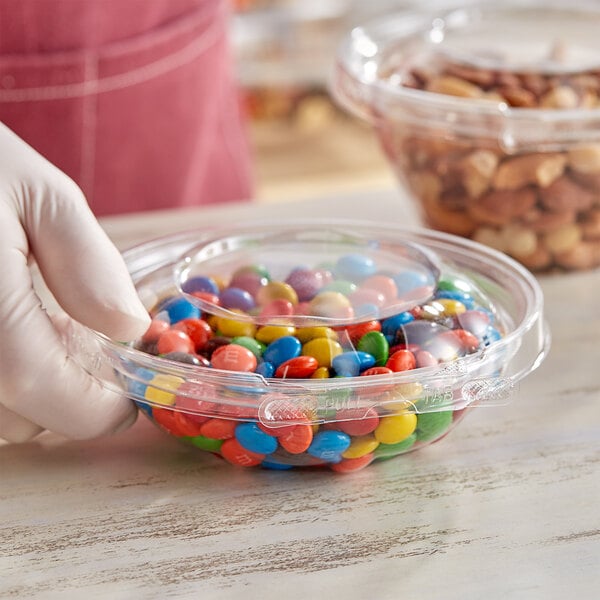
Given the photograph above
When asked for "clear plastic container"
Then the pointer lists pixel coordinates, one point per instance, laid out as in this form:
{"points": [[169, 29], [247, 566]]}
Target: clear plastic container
{"points": [[443, 285], [490, 115]]}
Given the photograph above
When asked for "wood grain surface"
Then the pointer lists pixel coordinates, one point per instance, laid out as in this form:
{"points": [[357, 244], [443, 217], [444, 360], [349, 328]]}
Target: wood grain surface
{"points": [[506, 506]]}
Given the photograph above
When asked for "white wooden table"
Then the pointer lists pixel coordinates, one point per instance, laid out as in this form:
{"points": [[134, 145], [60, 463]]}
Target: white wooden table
{"points": [[507, 506]]}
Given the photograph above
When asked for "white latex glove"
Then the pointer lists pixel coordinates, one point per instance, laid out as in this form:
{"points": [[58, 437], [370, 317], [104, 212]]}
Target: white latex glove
{"points": [[43, 215]]}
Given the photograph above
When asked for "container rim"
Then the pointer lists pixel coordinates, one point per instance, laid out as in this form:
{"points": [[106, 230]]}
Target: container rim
{"points": [[355, 85], [491, 261]]}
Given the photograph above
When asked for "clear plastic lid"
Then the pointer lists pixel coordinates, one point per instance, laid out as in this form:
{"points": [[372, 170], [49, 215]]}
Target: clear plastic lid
{"points": [[320, 275], [503, 302], [555, 40]]}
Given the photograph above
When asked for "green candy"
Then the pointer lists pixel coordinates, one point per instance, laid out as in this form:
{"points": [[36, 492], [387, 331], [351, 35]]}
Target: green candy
{"points": [[204, 443], [257, 348], [390, 450], [433, 424], [453, 285], [343, 287], [375, 344]]}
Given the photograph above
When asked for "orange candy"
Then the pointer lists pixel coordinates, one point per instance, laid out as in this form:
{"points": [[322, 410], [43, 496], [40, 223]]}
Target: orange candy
{"points": [[176, 422], [297, 440], [348, 465], [218, 429], [234, 453]]}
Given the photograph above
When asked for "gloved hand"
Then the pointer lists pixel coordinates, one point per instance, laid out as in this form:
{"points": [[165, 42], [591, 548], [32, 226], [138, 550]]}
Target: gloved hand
{"points": [[44, 216]]}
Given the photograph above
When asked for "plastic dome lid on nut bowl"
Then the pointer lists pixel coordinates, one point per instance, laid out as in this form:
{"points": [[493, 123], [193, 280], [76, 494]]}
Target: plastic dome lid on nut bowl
{"points": [[554, 39], [501, 305]]}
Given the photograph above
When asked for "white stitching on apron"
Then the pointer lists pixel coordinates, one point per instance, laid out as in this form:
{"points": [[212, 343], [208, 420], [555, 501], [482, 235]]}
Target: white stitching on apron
{"points": [[108, 84]]}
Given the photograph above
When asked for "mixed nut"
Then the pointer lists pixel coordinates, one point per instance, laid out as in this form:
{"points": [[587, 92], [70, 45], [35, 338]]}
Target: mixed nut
{"points": [[542, 206]]}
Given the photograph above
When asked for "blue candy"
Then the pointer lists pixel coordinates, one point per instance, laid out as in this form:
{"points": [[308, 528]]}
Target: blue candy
{"points": [[463, 297], [367, 310], [282, 349], [355, 267], [406, 281], [490, 336], [179, 309], [136, 388], [391, 325], [329, 445], [276, 466], [253, 438], [266, 369], [201, 284], [350, 364]]}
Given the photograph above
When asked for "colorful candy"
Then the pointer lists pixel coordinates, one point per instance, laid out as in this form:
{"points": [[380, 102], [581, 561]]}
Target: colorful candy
{"points": [[344, 427]]}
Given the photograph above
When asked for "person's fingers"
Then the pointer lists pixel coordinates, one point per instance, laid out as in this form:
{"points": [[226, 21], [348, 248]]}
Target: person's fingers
{"points": [[79, 264], [81, 267], [38, 380], [15, 428]]}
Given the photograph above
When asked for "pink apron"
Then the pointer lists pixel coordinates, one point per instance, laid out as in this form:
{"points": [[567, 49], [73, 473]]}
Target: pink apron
{"points": [[134, 99]]}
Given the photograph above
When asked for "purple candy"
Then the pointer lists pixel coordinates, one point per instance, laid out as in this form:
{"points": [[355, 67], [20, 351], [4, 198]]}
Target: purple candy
{"points": [[233, 297], [306, 283]]}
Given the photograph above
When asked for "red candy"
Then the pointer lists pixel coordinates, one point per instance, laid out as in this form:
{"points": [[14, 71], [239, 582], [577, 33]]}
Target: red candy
{"points": [[356, 421], [355, 332], [156, 329], [174, 340], [300, 367], [469, 342], [376, 371], [279, 307], [425, 359], [233, 358], [367, 296], [384, 285], [402, 360], [198, 330], [207, 297]]}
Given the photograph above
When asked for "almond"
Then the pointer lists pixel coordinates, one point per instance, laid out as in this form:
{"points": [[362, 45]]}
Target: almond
{"points": [[564, 195], [500, 207]]}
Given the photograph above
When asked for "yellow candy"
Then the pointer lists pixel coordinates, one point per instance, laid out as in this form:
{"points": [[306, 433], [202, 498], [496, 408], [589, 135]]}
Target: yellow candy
{"points": [[305, 334], [270, 333], [232, 328], [451, 308], [320, 373], [323, 349], [213, 321], [276, 290], [403, 396], [360, 446], [329, 304], [220, 281], [162, 396], [395, 428]]}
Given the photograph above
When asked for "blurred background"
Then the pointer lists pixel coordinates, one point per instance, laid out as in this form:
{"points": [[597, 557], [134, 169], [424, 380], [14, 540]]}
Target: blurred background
{"points": [[304, 145]]}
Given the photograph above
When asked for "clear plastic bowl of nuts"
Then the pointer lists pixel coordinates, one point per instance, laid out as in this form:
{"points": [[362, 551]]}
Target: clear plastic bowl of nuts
{"points": [[490, 116], [314, 344]]}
